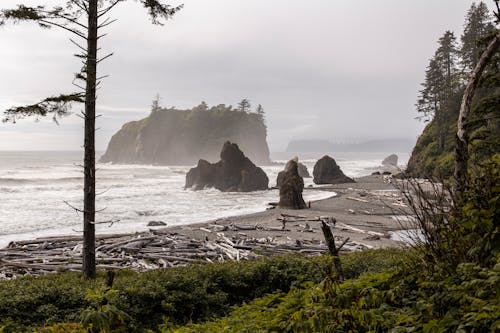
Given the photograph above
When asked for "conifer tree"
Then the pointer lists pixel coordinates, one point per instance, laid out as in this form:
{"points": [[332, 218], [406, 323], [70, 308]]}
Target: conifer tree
{"points": [[478, 25], [244, 105], [155, 105], [439, 96], [84, 20]]}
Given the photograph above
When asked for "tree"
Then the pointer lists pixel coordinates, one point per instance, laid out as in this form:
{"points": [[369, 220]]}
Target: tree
{"points": [[430, 96], [260, 110], [244, 105], [462, 137], [438, 98], [84, 19], [478, 25], [155, 105], [203, 106]]}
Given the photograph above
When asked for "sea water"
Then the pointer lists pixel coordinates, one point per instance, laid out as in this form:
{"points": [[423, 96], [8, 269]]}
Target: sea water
{"points": [[39, 189]]}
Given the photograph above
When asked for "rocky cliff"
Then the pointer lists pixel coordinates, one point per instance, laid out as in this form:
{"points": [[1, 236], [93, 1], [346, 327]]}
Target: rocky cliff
{"points": [[182, 137]]}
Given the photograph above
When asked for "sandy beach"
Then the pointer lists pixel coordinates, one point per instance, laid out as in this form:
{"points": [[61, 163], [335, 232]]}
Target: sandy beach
{"points": [[365, 211]]}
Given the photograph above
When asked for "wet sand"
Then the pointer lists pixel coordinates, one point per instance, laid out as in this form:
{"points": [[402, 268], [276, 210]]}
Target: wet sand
{"points": [[364, 212]]}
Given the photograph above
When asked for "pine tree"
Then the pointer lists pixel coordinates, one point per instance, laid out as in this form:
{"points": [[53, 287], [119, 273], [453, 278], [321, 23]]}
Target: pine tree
{"points": [[155, 105], [430, 96], [244, 105], [439, 97], [260, 110], [85, 20], [478, 25]]}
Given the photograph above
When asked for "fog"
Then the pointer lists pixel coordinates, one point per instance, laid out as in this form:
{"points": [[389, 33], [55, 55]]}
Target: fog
{"points": [[337, 70]]}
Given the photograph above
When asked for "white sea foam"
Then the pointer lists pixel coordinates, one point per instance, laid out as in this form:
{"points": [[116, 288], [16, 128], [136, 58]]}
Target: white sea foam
{"points": [[33, 189]]}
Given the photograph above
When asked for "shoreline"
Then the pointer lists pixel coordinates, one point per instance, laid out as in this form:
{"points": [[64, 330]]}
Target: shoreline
{"points": [[364, 213]]}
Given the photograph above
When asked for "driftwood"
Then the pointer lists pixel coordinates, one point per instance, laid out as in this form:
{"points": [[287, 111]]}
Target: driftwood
{"points": [[334, 251], [159, 249]]}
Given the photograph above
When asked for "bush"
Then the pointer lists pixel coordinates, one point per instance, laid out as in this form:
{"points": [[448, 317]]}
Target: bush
{"points": [[391, 301], [183, 294]]}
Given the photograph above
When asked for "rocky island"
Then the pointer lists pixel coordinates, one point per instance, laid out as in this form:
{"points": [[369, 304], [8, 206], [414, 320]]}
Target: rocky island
{"points": [[233, 173], [182, 137]]}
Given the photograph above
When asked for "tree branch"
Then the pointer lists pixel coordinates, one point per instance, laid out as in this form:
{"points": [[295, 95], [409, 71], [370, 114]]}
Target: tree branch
{"points": [[58, 106]]}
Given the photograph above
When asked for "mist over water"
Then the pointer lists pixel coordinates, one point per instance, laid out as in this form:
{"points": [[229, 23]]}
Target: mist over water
{"points": [[34, 186]]}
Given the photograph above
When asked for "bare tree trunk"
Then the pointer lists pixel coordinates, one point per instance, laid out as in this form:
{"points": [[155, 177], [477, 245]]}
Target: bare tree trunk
{"points": [[334, 251], [89, 268], [462, 139]]}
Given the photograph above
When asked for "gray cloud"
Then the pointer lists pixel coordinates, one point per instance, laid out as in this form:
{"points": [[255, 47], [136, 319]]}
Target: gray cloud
{"points": [[341, 70]]}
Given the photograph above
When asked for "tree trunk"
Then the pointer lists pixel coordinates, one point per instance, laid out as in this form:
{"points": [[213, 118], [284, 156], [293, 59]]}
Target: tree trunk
{"points": [[462, 138], [330, 241], [89, 268]]}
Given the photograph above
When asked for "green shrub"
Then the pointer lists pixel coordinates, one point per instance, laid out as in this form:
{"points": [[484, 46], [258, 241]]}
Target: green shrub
{"points": [[183, 294]]}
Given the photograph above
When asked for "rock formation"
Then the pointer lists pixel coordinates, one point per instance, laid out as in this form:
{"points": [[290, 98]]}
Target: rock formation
{"points": [[391, 160], [291, 187], [326, 171], [182, 137], [233, 173], [303, 172], [390, 165]]}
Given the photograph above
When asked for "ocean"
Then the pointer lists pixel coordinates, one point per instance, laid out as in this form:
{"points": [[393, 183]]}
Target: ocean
{"points": [[34, 187]]}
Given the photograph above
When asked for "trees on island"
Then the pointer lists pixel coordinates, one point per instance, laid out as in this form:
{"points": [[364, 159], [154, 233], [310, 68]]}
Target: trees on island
{"points": [[84, 20]]}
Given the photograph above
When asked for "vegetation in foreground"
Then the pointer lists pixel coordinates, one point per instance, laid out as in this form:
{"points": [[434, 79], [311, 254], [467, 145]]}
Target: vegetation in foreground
{"points": [[137, 302]]}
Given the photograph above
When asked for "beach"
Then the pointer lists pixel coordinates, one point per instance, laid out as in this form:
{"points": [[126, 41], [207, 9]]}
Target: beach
{"points": [[362, 215], [365, 211]]}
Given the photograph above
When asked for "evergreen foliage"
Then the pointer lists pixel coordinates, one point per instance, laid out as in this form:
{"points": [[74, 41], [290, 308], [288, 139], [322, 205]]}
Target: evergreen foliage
{"points": [[440, 97]]}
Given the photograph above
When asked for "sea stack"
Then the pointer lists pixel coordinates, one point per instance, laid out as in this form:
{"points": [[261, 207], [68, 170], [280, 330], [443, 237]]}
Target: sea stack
{"points": [[391, 160], [302, 169], [291, 187], [233, 173], [326, 171]]}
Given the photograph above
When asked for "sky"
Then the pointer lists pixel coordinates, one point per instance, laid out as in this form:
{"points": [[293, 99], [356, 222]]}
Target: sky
{"points": [[340, 70]]}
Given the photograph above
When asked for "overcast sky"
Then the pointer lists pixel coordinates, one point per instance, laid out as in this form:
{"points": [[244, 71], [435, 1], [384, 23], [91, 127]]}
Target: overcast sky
{"points": [[342, 70]]}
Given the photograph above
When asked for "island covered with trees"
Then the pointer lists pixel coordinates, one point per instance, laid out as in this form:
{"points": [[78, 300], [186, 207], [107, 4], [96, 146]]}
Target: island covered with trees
{"points": [[170, 136]]}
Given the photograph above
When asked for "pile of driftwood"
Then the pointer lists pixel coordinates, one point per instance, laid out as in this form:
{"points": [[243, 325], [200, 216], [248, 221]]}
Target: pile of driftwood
{"points": [[159, 248]]}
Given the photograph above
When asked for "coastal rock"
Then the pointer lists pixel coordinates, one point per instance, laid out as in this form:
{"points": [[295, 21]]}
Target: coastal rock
{"points": [[291, 187], [391, 160], [303, 172], [390, 165], [156, 224], [326, 171], [234, 172]]}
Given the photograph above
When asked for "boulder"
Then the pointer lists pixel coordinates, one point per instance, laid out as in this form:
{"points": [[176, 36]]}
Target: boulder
{"points": [[326, 171], [156, 224], [391, 160], [233, 173], [291, 187]]}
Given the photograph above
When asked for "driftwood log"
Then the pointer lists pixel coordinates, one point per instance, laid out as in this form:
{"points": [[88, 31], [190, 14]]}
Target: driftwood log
{"points": [[333, 249]]}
